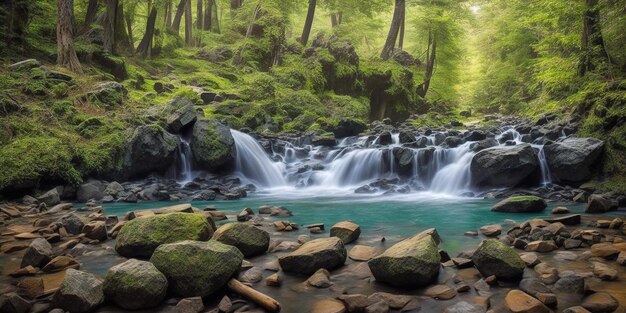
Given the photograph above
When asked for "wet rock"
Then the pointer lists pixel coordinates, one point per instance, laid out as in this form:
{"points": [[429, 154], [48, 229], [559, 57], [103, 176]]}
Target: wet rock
{"points": [[409, 263], [440, 292], [600, 302], [38, 253], [72, 223], [361, 253], [249, 239], [484, 144], [195, 268], [503, 166], [542, 246], [135, 285], [141, 236], [599, 204], [30, 287], [464, 307], [463, 262], [566, 220], [531, 259], [320, 279], [355, 302], [12, 303], [496, 258], [346, 231], [491, 230], [572, 159], [605, 250], [328, 253], [395, 301], [520, 302], [212, 145], [95, 230], [328, 306], [180, 114], [251, 275], [274, 280], [348, 127], [79, 292], [560, 210], [520, 204], [576, 309], [570, 282], [190, 305], [604, 272], [149, 149], [60, 263]]}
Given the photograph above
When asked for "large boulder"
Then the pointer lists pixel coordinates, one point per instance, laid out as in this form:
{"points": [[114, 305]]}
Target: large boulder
{"points": [[196, 268], [93, 189], [79, 292], [141, 236], [413, 262], [72, 223], [600, 204], [212, 145], [346, 231], [328, 253], [249, 239], [520, 204], [180, 114], [572, 159], [150, 150], [38, 253], [348, 127], [50, 198], [506, 166], [496, 258], [135, 285]]}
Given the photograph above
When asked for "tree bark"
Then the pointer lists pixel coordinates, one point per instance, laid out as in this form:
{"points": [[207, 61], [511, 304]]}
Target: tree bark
{"points": [[168, 14], [215, 19], [339, 18], [18, 18], [122, 40], [188, 24], [146, 43], [592, 41], [90, 16], [333, 20], [200, 12], [235, 4], [306, 31], [66, 55], [430, 65], [179, 16], [394, 29], [207, 15], [128, 17], [401, 39], [109, 26]]}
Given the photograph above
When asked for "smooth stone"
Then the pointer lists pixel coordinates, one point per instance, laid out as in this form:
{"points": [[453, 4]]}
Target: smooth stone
{"points": [[362, 253], [518, 301], [440, 292], [600, 302]]}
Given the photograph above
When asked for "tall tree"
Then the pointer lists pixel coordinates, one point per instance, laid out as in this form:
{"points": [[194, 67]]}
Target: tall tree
{"points": [[235, 4], [199, 11], [66, 55], [145, 46], [208, 10], [188, 24], [123, 41], [109, 26], [394, 29], [179, 15], [90, 16], [431, 54], [308, 23], [168, 14], [592, 41]]}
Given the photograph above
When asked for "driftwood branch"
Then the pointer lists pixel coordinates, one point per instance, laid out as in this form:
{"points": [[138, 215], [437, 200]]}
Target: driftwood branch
{"points": [[259, 298]]}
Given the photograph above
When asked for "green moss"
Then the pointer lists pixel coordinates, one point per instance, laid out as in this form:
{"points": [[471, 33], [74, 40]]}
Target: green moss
{"points": [[523, 198]]}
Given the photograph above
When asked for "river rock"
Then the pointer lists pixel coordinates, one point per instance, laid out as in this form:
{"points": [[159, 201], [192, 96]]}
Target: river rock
{"points": [[542, 246], [135, 285], [95, 230], [464, 307], [180, 113], [60, 263], [11, 302], [190, 305], [495, 258], [518, 301], [150, 149], [91, 190], [599, 204], [249, 239], [572, 159], [320, 279], [604, 272], [212, 145], [195, 268], [600, 302], [605, 250], [79, 292], [50, 198], [72, 223], [346, 231], [328, 306], [38, 253], [361, 253], [412, 262], [440, 292], [503, 166], [491, 230], [141, 236], [560, 210], [328, 253], [520, 204]]}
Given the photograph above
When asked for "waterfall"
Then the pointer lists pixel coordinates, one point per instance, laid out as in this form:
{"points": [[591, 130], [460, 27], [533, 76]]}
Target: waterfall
{"points": [[184, 159], [355, 167], [455, 176], [254, 164], [546, 178]]}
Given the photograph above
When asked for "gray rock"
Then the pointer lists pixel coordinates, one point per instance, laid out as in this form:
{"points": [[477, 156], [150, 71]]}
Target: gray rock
{"points": [[328, 253], [135, 285], [149, 150], [599, 204], [90, 190], [503, 166], [79, 292], [13, 303], [72, 223], [571, 160], [50, 198], [212, 145], [249, 239], [113, 189], [38, 254], [180, 114]]}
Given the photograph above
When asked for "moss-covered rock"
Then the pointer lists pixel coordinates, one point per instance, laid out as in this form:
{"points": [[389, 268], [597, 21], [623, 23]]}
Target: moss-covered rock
{"points": [[249, 239], [346, 231], [413, 262], [328, 253], [195, 268], [141, 236], [212, 145], [150, 149], [135, 285], [180, 114], [107, 95], [520, 204], [496, 258], [80, 292]]}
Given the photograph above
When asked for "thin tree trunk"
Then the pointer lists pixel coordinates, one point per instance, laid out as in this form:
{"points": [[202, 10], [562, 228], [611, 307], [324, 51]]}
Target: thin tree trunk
{"points": [[333, 20], [178, 16], [430, 65], [306, 31], [235, 4], [207, 15], [122, 39], [394, 29], [592, 41], [19, 15], [188, 24], [66, 55], [215, 19], [90, 16], [401, 39], [146, 43], [128, 17], [109, 26], [339, 18], [200, 21], [238, 60], [168, 14]]}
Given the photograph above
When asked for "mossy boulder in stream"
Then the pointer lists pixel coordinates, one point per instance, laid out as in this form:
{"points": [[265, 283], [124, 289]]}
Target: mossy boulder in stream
{"points": [[249, 239], [135, 285], [141, 236], [520, 204], [196, 268], [496, 258], [150, 150], [413, 262], [212, 145]]}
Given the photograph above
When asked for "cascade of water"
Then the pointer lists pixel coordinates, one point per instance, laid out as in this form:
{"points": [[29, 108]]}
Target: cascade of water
{"points": [[253, 163], [355, 167], [455, 176], [184, 158], [546, 178]]}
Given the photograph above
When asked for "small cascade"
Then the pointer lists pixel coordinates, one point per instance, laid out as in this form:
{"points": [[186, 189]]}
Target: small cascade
{"points": [[546, 178], [355, 167], [253, 163], [456, 175], [184, 159]]}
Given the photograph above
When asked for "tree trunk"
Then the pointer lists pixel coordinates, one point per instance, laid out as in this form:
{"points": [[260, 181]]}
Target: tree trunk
{"points": [[333, 20], [306, 31], [188, 24], [178, 16], [215, 20], [401, 39], [235, 4], [128, 17], [592, 42], [66, 55], [200, 21], [109, 26], [394, 29], [19, 15], [339, 18], [238, 59], [168, 14], [122, 40], [90, 16], [431, 55], [146, 43], [207, 15]]}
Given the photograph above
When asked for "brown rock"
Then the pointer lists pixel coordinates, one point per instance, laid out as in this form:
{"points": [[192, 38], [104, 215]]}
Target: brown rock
{"points": [[320, 279], [600, 302], [576, 309], [274, 280], [346, 231], [30, 287], [361, 253], [518, 301], [355, 302], [603, 271], [328, 306], [621, 258], [190, 305], [396, 302], [560, 210], [548, 299], [462, 262], [531, 259], [24, 271], [95, 230], [604, 250], [440, 292], [60, 263], [491, 230], [541, 246]]}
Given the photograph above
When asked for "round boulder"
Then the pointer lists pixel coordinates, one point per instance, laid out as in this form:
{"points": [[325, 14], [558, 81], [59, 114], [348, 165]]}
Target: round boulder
{"points": [[496, 258], [135, 285], [520, 204], [249, 239], [79, 292], [141, 236], [150, 149], [346, 231], [212, 145], [196, 268], [505, 166], [328, 253], [572, 159]]}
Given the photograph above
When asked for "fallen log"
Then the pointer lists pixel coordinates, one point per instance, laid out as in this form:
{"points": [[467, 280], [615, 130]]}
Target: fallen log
{"points": [[259, 298]]}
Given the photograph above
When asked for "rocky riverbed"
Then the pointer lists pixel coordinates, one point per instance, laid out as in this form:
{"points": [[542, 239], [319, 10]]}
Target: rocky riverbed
{"points": [[182, 259]]}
